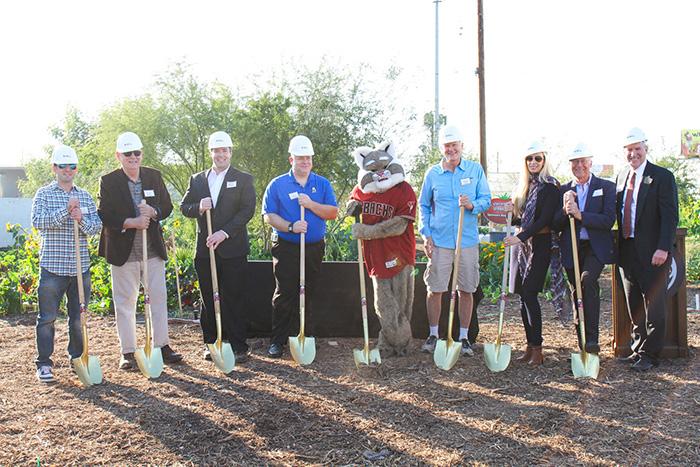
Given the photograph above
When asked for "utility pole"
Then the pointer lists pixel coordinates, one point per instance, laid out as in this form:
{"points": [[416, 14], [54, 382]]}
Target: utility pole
{"points": [[482, 92], [436, 115]]}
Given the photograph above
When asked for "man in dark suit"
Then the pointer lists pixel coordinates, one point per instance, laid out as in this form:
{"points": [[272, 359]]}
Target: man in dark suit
{"points": [[123, 220], [230, 196], [647, 217], [591, 202]]}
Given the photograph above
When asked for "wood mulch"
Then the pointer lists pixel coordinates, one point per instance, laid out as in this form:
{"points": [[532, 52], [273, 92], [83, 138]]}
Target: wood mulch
{"points": [[406, 412]]}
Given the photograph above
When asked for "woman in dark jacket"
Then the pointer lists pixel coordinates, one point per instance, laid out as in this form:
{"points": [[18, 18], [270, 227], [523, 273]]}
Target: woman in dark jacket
{"points": [[534, 203]]}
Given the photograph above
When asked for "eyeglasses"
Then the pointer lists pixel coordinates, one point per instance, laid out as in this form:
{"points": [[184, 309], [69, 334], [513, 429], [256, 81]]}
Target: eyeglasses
{"points": [[67, 166], [536, 158], [132, 153]]}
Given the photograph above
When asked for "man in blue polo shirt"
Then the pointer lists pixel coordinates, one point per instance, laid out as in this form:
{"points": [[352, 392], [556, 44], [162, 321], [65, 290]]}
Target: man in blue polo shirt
{"points": [[281, 208], [449, 184]]}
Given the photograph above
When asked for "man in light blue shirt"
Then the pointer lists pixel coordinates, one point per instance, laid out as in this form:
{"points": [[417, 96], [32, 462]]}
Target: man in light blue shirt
{"points": [[448, 185]]}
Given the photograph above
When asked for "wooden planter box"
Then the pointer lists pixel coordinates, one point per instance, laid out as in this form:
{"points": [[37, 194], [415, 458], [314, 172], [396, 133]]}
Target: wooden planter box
{"points": [[676, 340], [336, 308]]}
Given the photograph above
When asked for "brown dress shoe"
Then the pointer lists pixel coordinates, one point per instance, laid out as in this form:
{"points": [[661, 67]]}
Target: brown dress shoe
{"points": [[169, 355], [536, 358], [127, 361], [524, 358]]}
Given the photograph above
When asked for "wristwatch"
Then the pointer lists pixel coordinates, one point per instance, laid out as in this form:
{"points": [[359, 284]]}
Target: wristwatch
{"points": [[290, 227]]}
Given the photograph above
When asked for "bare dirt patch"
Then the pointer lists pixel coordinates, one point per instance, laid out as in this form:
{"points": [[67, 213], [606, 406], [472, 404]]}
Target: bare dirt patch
{"points": [[407, 412]]}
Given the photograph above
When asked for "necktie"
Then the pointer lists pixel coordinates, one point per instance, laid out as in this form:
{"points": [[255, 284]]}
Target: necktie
{"points": [[627, 213]]}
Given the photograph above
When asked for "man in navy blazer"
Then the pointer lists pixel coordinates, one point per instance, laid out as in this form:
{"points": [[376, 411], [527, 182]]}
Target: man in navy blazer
{"points": [[591, 202], [230, 196], [647, 217]]}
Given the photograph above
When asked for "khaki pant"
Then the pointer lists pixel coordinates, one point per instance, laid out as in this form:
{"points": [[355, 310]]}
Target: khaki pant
{"points": [[125, 291]]}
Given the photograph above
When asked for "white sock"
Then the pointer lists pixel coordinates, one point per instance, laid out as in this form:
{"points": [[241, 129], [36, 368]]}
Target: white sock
{"points": [[463, 333], [434, 331]]}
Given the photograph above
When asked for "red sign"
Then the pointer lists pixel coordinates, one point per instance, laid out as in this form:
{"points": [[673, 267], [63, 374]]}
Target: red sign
{"points": [[497, 212]]}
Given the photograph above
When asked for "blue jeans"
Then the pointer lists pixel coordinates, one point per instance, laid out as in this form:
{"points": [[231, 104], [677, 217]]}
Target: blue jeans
{"points": [[52, 288]]}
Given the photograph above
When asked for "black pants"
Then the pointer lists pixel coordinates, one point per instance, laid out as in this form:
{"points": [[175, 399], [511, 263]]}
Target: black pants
{"points": [[645, 292], [232, 274], [285, 300], [531, 286], [590, 268]]}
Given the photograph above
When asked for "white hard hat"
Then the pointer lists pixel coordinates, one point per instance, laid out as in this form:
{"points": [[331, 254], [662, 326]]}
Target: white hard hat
{"points": [[635, 135], [449, 134], [127, 142], [63, 154], [220, 139], [300, 145], [534, 148], [581, 150]]}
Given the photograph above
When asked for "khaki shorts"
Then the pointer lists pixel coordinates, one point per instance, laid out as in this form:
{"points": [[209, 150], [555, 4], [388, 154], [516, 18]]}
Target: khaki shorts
{"points": [[437, 274]]}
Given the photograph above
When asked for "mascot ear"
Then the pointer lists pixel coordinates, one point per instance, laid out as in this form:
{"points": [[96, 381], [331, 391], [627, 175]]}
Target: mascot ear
{"points": [[388, 147], [359, 155]]}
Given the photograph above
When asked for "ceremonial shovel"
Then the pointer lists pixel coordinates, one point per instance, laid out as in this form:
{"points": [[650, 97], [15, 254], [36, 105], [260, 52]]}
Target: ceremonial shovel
{"points": [[149, 359], [221, 352], [364, 355], [86, 367], [584, 364], [447, 352], [303, 349], [497, 356]]}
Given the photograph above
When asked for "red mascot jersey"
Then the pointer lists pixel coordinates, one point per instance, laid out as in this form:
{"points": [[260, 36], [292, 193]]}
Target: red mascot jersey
{"points": [[386, 257]]}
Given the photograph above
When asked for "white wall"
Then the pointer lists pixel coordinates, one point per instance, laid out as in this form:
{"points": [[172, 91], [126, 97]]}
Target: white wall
{"points": [[14, 211]]}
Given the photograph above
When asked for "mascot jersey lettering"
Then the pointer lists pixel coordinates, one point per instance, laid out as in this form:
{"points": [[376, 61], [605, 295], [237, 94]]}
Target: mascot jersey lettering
{"points": [[386, 257]]}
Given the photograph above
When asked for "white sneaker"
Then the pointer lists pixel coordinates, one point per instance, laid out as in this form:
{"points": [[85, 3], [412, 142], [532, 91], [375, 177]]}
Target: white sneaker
{"points": [[467, 348], [44, 374]]}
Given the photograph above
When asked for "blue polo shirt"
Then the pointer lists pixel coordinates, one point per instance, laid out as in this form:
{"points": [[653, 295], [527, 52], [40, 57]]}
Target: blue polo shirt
{"points": [[439, 203], [281, 198]]}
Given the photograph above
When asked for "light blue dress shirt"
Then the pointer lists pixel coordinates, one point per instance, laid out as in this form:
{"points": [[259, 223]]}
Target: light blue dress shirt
{"points": [[439, 203], [581, 198]]}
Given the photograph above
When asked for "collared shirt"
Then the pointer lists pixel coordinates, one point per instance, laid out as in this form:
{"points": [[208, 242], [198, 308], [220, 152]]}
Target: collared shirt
{"points": [[282, 198], [439, 203], [215, 181], [136, 190], [581, 198], [637, 183], [51, 218]]}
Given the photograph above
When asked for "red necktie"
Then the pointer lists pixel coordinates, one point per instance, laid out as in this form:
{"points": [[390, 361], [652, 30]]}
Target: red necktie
{"points": [[627, 213]]}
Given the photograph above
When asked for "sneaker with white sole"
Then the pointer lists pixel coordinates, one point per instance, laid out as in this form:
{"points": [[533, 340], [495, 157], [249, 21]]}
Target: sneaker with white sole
{"points": [[467, 348], [44, 374], [429, 345]]}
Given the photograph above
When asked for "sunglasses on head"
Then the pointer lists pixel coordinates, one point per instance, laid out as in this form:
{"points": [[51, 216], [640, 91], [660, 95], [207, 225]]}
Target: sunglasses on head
{"points": [[536, 158], [67, 166], [132, 153]]}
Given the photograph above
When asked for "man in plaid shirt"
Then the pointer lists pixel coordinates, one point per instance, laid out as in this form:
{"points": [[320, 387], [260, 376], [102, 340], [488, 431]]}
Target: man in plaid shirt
{"points": [[55, 208]]}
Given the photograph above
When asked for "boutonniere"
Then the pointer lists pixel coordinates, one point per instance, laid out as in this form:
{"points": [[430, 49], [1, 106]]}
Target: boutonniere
{"points": [[647, 180]]}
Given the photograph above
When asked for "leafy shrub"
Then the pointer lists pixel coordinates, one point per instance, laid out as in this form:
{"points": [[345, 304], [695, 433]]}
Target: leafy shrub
{"points": [[692, 259]]}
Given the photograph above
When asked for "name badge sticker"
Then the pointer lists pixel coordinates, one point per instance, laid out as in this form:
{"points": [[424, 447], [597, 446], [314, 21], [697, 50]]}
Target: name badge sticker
{"points": [[231, 184], [149, 193], [293, 195], [598, 192], [465, 181], [391, 263]]}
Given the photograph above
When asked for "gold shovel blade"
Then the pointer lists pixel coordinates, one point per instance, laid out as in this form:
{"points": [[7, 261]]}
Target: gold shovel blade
{"points": [[223, 357], [151, 366], [367, 358], [445, 356], [497, 356], [585, 365], [90, 373], [303, 349]]}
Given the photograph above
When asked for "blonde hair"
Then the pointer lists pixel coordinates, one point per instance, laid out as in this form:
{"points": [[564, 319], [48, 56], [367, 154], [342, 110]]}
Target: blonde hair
{"points": [[520, 193]]}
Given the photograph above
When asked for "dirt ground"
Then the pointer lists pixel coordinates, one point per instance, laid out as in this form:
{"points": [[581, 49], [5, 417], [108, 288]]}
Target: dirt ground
{"points": [[407, 412]]}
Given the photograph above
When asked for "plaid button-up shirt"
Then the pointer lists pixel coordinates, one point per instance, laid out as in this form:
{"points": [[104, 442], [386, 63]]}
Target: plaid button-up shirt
{"points": [[51, 218]]}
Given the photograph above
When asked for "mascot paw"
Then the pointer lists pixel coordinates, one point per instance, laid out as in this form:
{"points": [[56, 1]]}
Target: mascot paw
{"points": [[359, 231], [353, 208]]}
